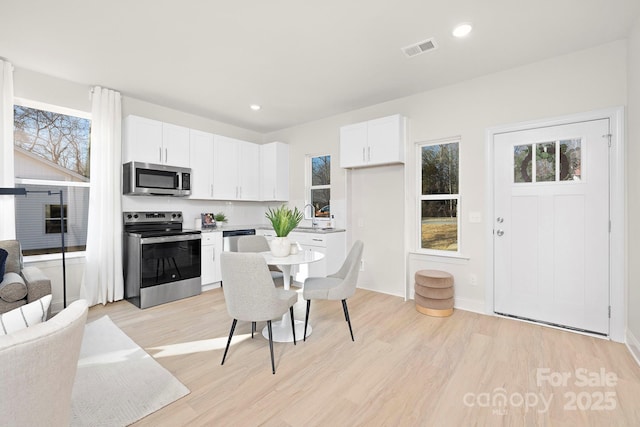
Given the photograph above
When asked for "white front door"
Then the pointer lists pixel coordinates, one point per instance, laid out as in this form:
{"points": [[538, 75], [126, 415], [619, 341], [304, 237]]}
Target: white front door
{"points": [[551, 225]]}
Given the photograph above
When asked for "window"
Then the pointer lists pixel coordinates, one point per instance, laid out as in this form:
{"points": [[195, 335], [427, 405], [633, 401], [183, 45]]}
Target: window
{"points": [[51, 147], [539, 163], [319, 193], [439, 198]]}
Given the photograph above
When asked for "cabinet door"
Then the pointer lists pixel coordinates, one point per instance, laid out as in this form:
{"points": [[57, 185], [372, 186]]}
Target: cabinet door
{"points": [[143, 140], [353, 145], [175, 141], [207, 258], [248, 171], [274, 171], [225, 168], [210, 257], [201, 161], [385, 140]]}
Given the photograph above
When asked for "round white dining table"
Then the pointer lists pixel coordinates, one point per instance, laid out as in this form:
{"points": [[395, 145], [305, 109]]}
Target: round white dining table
{"points": [[281, 329]]}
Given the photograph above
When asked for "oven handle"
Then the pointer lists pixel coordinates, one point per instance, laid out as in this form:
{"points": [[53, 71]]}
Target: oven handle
{"points": [[166, 239]]}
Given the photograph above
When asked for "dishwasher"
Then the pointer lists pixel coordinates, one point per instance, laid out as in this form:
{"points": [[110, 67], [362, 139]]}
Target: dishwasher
{"points": [[230, 238]]}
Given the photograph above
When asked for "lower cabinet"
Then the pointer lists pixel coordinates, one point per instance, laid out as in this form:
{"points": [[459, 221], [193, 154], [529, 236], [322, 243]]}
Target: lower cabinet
{"points": [[210, 253], [332, 245]]}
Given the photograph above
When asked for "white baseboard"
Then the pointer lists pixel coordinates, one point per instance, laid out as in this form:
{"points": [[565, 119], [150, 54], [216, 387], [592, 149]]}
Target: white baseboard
{"points": [[469, 305], [634, 346], [401, 295], [210, 286]]}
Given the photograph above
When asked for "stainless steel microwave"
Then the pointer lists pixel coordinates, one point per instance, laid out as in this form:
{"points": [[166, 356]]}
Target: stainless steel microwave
{"points": [[147, 179]]}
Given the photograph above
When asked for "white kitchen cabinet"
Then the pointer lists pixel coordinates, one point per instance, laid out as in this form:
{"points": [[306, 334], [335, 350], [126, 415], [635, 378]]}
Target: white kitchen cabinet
{"points": [[175, 145], [372, 143], [152, 141], [210, 257], [236, 169], [332, 245], [201, 161], [274, 171]]}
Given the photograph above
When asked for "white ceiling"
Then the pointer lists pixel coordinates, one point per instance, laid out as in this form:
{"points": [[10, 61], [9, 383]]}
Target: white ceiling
{"points": [[301, 60]]}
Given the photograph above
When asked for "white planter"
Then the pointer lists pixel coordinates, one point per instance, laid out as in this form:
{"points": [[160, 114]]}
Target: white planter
{"points": [[280, 246]]}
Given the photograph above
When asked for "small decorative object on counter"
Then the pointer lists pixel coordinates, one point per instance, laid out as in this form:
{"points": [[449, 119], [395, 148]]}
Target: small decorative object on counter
{"points": [[208, 221], [283, 220], [221, 219]]}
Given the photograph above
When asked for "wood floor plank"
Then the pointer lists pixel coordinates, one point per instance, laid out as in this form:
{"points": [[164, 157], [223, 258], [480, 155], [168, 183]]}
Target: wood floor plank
{"points": [[404, 368]]}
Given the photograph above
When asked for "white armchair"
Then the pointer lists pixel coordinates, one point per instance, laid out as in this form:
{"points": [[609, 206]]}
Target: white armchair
{"points": [[38, 367]]}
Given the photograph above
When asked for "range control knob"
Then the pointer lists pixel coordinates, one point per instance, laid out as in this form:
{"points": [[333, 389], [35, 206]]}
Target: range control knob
{"points": [[135, 216], [179, 215]]}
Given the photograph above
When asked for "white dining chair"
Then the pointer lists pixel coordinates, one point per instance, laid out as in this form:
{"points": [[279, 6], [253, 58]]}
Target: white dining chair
{"points": [[338, 286], [251, 296], [260, 244]]}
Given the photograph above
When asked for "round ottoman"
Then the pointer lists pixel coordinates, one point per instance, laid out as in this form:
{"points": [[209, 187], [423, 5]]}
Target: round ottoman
{"points": [[434, 293]]}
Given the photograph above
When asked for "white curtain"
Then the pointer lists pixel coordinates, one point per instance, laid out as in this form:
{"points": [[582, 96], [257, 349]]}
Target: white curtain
{"points": [[103, 280], [7, 179]]}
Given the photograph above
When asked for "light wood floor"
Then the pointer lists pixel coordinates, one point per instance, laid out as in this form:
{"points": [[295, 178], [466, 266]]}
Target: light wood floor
{"points": [[404, 368]]}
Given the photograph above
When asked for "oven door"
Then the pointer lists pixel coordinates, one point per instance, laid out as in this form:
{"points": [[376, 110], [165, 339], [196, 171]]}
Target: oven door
{"points": [[169, 259]]}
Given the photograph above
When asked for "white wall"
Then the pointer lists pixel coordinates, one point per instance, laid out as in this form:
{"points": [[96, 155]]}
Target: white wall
{"points": [[581, 81], [633, 183]]}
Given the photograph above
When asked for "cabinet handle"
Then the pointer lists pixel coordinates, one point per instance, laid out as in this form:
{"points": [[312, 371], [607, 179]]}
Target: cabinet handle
{"points": [[369, 153], [211, 190], [160, 154], [317, 240], [166, 155], [363, 154], [274, 193]]}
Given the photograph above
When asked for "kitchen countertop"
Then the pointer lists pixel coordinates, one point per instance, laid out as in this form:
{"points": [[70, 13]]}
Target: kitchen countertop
{"points": [[266, 227]]}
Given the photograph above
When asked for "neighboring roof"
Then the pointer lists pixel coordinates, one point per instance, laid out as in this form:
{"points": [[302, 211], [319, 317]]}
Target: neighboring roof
{"points": [[74, 176]]}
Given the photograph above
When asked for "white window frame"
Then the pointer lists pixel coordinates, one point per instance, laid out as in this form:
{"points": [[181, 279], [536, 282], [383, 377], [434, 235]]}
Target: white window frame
{"points": [[420, 197], [308, 187], [28, 181]]}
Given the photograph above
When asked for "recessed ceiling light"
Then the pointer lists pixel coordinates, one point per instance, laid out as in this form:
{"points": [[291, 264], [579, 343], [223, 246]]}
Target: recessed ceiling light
{"points": [[255, 107], [462, 30]]}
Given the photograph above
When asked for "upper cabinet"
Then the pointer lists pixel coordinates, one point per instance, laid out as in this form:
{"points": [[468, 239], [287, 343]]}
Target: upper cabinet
{"points": [[236, 169], [201, 160], [152, 141], [374, 142], [274, 171]]}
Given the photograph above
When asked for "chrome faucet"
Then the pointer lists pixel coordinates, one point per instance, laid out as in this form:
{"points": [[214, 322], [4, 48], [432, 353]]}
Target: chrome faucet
{"points": [[314, 222]]}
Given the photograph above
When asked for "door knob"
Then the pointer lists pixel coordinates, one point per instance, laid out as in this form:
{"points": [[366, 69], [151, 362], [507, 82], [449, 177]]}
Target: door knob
{"points": [[500, 233]]}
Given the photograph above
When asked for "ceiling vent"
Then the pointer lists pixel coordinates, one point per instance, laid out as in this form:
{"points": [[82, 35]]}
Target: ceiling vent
{"points": [[418, 48]]}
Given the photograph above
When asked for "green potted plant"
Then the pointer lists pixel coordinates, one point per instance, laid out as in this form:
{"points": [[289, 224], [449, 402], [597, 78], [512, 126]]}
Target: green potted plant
{"points": [[283, 220], [220, 218]]}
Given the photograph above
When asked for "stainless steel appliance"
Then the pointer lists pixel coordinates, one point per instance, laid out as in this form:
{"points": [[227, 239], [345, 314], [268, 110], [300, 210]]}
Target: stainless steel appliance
{"points": [[147, 179], [230, 238], [161, 260]]}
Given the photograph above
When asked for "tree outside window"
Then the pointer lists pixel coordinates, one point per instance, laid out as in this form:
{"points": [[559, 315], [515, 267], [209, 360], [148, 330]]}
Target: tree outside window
{"points": [[51, 147], [320, 188], [439, 197]]}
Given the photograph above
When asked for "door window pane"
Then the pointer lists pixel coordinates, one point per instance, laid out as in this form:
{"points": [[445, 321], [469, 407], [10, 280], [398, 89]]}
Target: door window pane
{"points": [[522, 163], [571, 160], [439, 224], [546, 162]]}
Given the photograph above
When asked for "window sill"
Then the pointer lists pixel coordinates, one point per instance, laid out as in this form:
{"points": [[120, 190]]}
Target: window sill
{"points": [[53, 257], [439, 256]]}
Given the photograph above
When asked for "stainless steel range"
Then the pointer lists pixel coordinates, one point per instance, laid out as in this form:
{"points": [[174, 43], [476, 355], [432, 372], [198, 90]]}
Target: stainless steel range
{"points": [[161, 260]]}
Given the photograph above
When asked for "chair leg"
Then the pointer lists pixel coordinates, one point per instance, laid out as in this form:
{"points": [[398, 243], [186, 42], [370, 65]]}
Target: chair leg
{"points": [[273, 366], [233, 327], [346, 317], [306, 320], [293, 325], [253, 328]]}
